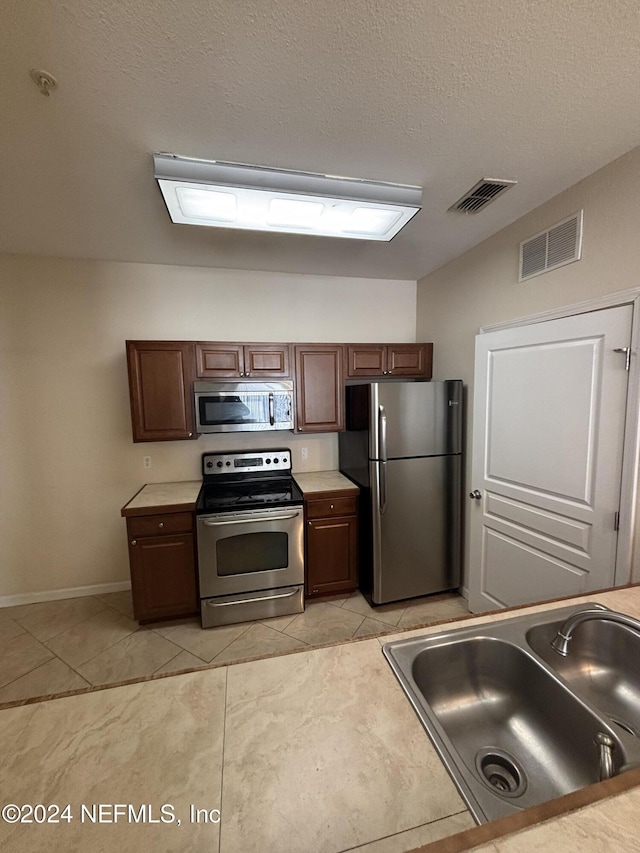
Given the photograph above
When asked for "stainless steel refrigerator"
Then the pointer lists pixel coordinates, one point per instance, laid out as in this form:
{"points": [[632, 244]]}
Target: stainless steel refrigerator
{"points": [[402, 447]]}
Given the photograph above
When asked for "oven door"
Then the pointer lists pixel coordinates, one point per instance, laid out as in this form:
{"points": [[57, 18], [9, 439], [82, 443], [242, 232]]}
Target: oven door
{"points": [[250, 551]]}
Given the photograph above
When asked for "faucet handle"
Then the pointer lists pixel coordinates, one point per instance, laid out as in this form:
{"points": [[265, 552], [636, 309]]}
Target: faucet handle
{"points": [[606, 745]]}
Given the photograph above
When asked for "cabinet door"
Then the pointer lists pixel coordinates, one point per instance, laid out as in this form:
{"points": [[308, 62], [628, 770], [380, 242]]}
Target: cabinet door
{"points": [[366, 359], [219, 360], [319, 388], [266, 361], [161, 389], [409, 360], [331, 555], [163, 576]]}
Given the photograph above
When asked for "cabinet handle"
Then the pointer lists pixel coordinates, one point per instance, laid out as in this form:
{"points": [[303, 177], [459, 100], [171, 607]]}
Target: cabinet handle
{"points": [[389, 371], [134, 542], [161, 524], [309, 523], [330, 506], [190, 435]]}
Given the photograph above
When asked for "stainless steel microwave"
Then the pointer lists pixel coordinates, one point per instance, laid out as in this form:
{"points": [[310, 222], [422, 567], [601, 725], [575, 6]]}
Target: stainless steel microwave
{"points": [[243, 406]]}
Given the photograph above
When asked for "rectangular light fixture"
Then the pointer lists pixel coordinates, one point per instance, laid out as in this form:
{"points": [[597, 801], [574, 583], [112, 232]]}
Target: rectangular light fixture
{"points": [[257, 198]]}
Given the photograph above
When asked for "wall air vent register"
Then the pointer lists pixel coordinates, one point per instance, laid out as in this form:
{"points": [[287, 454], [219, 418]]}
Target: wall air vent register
{"points": [[556, 246]]}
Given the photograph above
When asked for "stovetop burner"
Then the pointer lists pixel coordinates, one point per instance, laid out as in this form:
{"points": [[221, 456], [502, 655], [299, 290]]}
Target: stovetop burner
{"points": [[247, 480]]}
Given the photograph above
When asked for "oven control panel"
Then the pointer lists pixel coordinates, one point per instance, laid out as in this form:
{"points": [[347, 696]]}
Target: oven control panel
{"points": [[249, 462]]}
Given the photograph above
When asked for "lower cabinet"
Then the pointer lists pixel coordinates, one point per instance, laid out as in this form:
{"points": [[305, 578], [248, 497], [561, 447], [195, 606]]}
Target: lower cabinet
{"points": [[331, 542], [163, 565]]}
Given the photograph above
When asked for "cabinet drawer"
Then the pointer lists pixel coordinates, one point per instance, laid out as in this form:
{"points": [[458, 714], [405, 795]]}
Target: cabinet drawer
{"points": [[327, 507], [158, 525]]}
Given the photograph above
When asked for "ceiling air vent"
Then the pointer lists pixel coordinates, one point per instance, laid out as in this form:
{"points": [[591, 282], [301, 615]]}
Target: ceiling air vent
{"points": [[559, 245], [484, 192]]}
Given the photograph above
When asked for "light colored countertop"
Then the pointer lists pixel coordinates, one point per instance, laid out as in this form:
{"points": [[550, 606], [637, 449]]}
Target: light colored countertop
{"points": [[312, 482], [164, 497], [182, 496], [322, 753]]}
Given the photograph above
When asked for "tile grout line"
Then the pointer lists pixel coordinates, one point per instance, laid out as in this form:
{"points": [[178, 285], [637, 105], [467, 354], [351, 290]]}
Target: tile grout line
{"points": [[55, 657], [312, 647], [44, 642], [180, 650], [224, 742], [381, 639], [184, 649], [409, 829], [128, 637], [102, 651], [28, 671]]}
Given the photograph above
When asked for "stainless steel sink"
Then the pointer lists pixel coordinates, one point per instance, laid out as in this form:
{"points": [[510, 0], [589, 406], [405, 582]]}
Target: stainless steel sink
{"points": [[603, 667], [510, 729]]}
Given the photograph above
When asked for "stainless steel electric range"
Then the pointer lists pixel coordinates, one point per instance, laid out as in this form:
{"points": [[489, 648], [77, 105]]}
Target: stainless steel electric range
{"points": [[250, 537]]}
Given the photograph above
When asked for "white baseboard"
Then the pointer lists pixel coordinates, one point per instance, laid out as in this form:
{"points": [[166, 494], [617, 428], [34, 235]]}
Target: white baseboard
{"points": [[59, 594]]}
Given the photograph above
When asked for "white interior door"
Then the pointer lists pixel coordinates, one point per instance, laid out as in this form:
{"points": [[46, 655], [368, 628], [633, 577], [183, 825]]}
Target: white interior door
{"points": [[548, 431]]}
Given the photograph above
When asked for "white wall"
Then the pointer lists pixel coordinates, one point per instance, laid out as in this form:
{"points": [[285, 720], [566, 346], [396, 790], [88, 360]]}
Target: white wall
{"points": [[67, 460], [481, 287]]}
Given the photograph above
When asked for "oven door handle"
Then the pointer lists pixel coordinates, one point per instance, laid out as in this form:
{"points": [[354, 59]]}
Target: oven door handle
{"points": [[250, 519], [289, 594]]}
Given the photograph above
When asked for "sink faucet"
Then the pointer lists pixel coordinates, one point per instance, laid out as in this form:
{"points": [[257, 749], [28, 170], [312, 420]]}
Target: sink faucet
{"points": [[561, 641], [605, 746]]}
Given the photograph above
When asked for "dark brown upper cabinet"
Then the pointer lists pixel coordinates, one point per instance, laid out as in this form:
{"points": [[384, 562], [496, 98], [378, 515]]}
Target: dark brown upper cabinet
{"points": [[161, 389], [372, 360], [319, 387], [216, 360]]}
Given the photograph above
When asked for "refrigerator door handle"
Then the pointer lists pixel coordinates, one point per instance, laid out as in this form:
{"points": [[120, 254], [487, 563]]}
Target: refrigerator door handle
{"points": [[383, 487], [382, 432], [382, 456]]}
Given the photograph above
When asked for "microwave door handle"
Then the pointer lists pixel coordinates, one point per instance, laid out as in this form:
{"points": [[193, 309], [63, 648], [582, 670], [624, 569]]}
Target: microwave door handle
{"points": [[272, 418], [248, 520]]}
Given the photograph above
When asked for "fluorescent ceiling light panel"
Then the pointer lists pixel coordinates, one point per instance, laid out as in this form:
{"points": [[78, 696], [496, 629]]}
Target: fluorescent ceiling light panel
{"points": [[207, 204], [231, 195]]}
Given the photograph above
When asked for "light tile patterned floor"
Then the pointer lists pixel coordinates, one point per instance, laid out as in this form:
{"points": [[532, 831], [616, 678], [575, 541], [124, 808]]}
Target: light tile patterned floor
{"points": [[57, 646]]}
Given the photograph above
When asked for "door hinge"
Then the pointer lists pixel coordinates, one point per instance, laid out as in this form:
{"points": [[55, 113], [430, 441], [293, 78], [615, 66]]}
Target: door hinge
{"points": [[616, 521], [627, 354]]}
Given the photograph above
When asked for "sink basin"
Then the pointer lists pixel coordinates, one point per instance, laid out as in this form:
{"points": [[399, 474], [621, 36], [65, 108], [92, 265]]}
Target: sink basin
{"points": [[511, 731], [603, 666]]}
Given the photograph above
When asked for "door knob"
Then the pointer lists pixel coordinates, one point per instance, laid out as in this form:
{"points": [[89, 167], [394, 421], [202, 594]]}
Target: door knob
{"points": [[476, 495]]}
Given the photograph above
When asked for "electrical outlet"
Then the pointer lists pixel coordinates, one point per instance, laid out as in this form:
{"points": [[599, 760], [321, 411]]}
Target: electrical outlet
{"points": [[304, 453], [146, 462]]}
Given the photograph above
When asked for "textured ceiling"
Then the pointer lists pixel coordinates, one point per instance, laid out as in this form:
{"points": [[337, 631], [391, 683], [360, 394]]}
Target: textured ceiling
{"points": [[425, 92]]}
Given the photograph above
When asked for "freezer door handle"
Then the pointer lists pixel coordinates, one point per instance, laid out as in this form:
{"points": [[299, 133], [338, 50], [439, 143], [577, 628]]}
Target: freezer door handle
{"points": [[382, 432]]}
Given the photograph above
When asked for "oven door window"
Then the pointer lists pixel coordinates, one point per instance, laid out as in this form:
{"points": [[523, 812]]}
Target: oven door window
{"points": [[252, 552]]}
